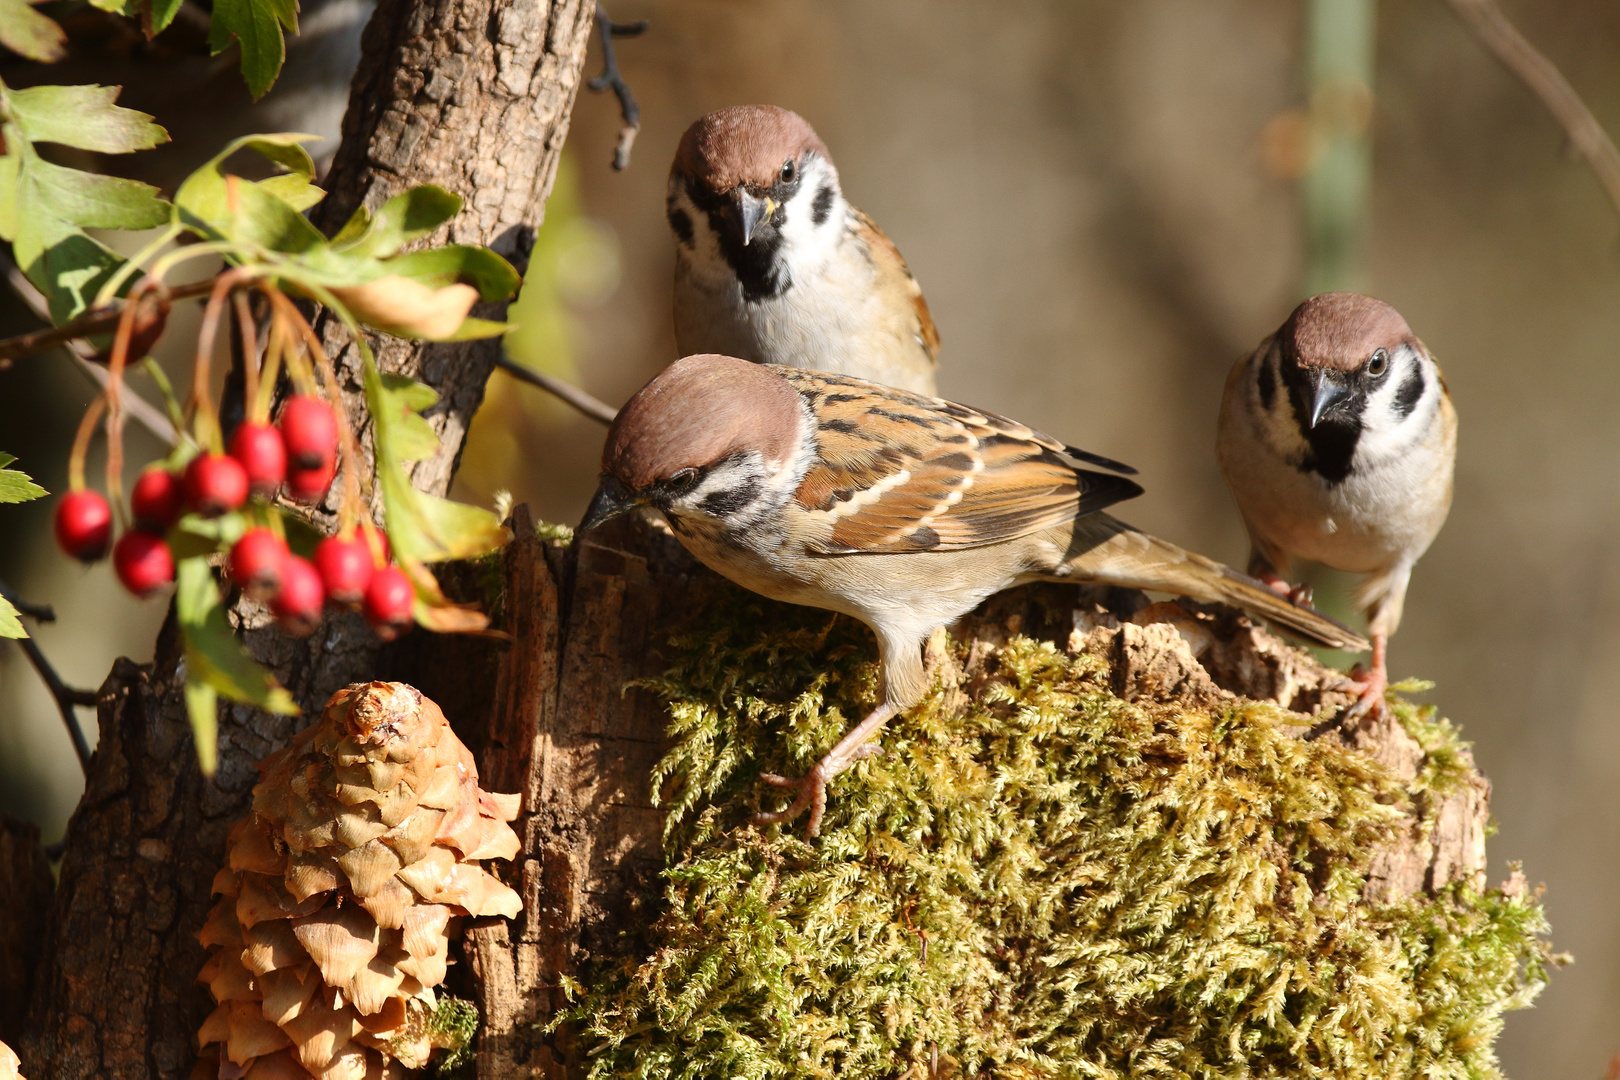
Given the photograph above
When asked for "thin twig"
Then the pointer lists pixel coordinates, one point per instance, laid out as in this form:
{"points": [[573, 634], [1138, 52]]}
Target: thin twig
{"points": [[1514, 50], [573, 395], [611, 79], [144, 413], [66, 697], [99, 321]]}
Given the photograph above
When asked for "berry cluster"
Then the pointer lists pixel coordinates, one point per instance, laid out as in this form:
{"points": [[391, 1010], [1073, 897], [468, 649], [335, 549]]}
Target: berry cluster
{"points": [[300, 452]]}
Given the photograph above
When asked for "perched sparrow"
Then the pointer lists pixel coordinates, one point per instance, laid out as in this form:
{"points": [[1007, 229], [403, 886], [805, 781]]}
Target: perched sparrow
{"points": [[900, 510], [1338, 438], [772, 265]]}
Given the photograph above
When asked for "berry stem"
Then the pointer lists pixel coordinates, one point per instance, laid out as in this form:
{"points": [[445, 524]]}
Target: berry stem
{"points": [[206, 426], [116, 362], [247, 326], [81, 442]]}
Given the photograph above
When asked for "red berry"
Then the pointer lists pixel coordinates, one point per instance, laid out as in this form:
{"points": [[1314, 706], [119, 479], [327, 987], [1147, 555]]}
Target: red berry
{"points": [[143, 562], [157, 500], [309, 486], [390, 599], [298, 602], [263, 456], [345, 567], [215, 484], [84, 525], [309, 428], [256, 563]]}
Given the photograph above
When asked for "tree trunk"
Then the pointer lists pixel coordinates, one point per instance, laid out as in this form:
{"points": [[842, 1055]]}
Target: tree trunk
{"points": [[472, 95], [569, 731]]}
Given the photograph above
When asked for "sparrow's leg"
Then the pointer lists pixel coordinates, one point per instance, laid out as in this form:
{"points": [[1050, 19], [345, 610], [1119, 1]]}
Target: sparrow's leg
{"points": [[1368, 686], [812, 787]]}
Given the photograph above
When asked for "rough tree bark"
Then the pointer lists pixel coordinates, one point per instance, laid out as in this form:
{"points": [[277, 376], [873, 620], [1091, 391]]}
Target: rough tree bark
{"points": [[472, 95], [589, 619]]}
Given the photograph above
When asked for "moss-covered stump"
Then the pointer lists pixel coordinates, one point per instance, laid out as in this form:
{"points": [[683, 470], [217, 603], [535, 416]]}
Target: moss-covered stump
{"points": [[1116, 840]]}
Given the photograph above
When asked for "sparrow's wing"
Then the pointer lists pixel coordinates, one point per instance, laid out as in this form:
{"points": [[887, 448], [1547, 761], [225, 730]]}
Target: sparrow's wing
{"points": [[901, 472], [889, 262]]}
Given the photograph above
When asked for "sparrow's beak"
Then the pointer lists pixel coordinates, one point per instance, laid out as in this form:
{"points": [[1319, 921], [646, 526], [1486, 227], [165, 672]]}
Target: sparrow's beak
{"points": [[750, 212], [612, 499], [1326, 392]]}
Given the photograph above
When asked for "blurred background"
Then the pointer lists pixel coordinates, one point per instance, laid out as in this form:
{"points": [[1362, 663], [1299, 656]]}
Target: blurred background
{"points": [[1106, 203]]}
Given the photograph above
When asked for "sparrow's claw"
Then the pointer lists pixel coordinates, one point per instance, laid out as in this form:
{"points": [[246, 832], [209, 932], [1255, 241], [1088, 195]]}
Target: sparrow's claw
{"points": [[1299, 594], [812, 788], [1369, 686]]}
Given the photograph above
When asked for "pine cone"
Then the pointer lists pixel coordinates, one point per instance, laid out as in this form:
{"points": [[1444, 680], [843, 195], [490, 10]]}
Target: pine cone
{"points": [[342, 891], [9, 1064]]}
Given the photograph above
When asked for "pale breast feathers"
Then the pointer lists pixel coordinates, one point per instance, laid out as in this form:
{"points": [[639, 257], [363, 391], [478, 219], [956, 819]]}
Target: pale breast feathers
{"points": [[901, 472]]}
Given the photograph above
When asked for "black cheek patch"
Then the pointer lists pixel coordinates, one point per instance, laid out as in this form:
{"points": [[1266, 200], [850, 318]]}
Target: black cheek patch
{"points": [[1410, 392], [721, 503], [822, 206], [681, 222], [1267, 381]]}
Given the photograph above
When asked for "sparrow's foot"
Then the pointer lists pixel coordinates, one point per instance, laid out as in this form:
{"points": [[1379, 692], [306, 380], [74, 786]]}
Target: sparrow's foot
{"points": [[1369, 686], [1299, 594], [812, 787]]}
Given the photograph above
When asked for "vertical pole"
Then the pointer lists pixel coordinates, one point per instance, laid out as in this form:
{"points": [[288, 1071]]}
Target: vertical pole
{"points": [[1339, 46]]}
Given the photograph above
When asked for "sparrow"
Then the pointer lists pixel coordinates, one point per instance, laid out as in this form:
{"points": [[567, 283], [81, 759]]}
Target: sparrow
{"points": [[900, 510], [772, 265], [1338, 438]]}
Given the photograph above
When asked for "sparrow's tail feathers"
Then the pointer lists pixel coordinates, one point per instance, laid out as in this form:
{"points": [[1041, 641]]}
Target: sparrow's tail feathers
{"points": [[1110, 552]]}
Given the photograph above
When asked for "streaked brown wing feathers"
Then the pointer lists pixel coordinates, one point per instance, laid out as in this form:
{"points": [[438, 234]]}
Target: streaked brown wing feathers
{"points": [[900, 472]]}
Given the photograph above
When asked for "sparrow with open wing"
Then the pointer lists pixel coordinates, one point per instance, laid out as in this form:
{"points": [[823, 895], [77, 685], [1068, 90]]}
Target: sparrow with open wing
{"points": [[1338, 438], [900, 510], [772, 265]]}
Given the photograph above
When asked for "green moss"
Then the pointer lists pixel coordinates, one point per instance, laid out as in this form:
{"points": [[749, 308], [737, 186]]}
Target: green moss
{"points": [[1051, 883], [451, 1029]]}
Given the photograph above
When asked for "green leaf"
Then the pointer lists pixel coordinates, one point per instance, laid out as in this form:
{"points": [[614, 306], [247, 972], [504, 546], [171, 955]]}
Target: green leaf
{"points": [[94, 201], [257, 26], [202, 709], [420, 526], [62, 261], [8, 197], [160, 13], [17, 486], [294, 190], [83, 116], [248, 213], [478, 329], [491, 275], [10, 621], [28, 33], [216, 662], [408, 216]]}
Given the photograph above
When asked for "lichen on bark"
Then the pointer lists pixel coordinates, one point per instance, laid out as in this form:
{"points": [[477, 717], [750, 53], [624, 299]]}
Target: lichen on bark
{"points": [[1087, 860]]}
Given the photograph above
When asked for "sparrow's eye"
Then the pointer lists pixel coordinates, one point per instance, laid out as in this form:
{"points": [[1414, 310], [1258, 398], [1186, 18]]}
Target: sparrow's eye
{"points": [[1378, 364], [790, 169], [682, 482]]}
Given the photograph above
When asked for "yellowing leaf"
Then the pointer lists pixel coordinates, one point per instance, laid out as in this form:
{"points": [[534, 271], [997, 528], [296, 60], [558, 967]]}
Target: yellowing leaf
{"points": [[82, 116], [28, 33], [408, 308]]}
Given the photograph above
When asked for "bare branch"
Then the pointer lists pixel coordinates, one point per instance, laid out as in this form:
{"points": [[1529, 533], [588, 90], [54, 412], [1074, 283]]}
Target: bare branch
{"points": [[144, 413], [1514, 50], [611, 79], [101, 320], [573, 395], [65, 696]]}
